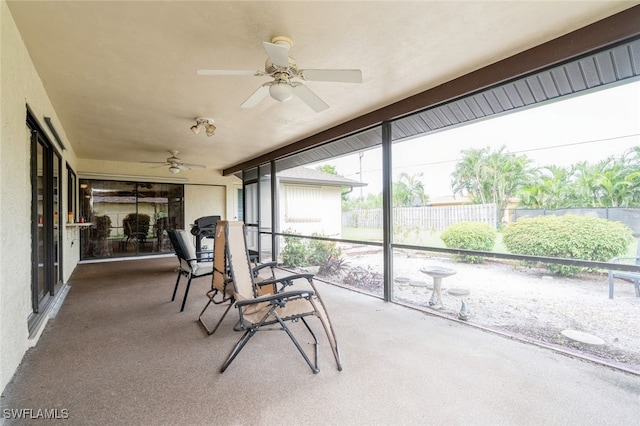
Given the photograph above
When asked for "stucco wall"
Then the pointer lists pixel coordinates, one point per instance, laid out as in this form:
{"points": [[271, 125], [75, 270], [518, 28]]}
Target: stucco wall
{"points": [[203, 200], [20, 85]]}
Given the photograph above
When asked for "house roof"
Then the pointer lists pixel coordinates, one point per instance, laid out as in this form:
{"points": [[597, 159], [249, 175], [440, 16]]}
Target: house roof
{"points": [[305, 175]]}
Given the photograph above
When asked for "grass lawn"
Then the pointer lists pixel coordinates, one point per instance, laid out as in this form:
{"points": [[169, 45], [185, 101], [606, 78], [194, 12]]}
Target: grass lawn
{"points": [[425, 238], [428, 238]]}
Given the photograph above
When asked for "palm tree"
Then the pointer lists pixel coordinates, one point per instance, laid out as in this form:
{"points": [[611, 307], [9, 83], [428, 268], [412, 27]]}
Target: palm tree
{"points": [[409, 190], [619, 181], [491, 177], [468, 176], [585, 183], [548, 188]]}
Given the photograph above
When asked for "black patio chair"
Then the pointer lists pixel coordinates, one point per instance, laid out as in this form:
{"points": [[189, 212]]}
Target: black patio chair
{"points": [[192, 265]]}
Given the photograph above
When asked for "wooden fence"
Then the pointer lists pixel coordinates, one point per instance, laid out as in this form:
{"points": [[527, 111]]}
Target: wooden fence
{"points": [[433, 218]]}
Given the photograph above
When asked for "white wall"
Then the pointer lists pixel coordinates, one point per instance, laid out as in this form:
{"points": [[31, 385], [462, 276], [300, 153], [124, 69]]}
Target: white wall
{"points": [[20, 85]]}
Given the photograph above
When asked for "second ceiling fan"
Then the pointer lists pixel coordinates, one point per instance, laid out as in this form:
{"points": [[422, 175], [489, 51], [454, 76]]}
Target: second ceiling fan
{"points": [[285, 72], [175, 164]]}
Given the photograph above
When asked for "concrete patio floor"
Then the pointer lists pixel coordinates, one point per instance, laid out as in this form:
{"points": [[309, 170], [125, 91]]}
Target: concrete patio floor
{"points": [[119, 352]]}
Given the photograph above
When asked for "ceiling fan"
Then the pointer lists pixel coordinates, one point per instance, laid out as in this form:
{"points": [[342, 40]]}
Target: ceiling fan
{"points": [[175, 164], [284, 71]]}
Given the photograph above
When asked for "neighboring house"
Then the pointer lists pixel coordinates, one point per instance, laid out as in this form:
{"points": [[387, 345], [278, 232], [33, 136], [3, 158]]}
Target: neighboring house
{"points": [[449, 200], [311, 201]]}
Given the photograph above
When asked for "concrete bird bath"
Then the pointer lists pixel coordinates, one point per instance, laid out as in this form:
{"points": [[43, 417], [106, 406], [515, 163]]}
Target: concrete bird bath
{"points": [[437, 273]]}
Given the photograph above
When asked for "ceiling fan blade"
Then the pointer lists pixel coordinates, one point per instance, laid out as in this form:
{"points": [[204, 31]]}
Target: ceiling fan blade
{"points": [[278, 53], [340, 76], [194, 166], [257, 96], [157, 164], [308, 97], [229, 72]]}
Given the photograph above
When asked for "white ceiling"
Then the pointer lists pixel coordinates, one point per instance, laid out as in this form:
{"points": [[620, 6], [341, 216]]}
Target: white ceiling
{"points": [[122, 75]]}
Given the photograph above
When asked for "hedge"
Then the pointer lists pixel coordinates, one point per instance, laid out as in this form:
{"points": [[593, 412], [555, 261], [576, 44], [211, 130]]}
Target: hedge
{"points": [[470, 236], [569, 237]]}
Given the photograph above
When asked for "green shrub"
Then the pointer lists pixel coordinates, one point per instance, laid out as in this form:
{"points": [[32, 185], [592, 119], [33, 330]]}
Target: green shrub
{"points": [[294, 252], [136, 224], [568, 236], [319, 251], [299, 252], [470, 236]]}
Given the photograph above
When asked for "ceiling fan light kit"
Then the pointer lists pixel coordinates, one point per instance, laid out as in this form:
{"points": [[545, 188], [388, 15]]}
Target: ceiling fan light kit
{"points": [[207, 123], [283, 69], [281, 91]]}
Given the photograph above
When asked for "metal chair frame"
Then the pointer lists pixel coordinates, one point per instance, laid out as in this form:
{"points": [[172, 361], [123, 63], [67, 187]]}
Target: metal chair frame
{"points": [[183, 258], [273, 309], [221, 284]]}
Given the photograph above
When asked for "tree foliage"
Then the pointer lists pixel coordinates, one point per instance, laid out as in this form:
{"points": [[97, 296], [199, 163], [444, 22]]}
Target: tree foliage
{"points": [[496, 176], [332, 170], [613, 182], [328, 168], [490, 176], [408, 191], [370, 201]]}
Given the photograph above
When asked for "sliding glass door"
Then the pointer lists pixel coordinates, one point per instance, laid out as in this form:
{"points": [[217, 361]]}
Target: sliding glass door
{"points": [[45, 214], [128, 218]]}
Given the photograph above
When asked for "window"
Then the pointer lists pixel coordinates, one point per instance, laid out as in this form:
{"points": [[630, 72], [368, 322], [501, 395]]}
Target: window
{"points": [[302, 204], [72, 195], [129, 218]]}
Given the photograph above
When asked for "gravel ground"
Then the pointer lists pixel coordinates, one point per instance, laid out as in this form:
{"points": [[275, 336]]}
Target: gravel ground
{"points": [[529, 303]]}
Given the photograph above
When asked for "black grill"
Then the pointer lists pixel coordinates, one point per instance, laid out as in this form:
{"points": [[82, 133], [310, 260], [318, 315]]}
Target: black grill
{"points": [[204, 227]]}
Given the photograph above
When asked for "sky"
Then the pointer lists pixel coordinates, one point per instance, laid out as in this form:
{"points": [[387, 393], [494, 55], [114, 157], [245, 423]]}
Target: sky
{"points": [[588, 127]]}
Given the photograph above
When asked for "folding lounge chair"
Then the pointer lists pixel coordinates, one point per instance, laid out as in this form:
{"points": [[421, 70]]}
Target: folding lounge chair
{"points": [[272, 311], [221, 287], [191, 263]]}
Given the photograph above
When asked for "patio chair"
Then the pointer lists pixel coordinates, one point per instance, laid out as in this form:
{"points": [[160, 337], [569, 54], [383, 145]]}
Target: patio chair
{"points": [[274, 311], [192, 265], [135, 231], [222, 290], [634, 277]]}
